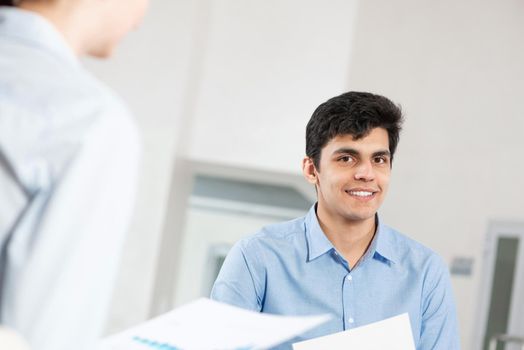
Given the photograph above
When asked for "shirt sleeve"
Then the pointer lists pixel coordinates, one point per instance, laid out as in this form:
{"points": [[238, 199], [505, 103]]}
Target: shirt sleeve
{"points": [[439, 329], [63, 256], [238, 282]]}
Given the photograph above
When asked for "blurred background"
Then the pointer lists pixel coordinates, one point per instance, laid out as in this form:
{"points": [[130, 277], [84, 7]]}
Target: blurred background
{"points": [[222, 91]]}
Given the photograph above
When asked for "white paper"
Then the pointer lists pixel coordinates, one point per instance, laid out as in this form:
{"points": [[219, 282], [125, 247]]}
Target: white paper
{"points": [[208, 325], [393, 334]]}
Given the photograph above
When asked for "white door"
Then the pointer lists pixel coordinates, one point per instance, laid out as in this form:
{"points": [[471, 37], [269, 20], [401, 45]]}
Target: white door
{"points": [[502, 293], [516, 314]]}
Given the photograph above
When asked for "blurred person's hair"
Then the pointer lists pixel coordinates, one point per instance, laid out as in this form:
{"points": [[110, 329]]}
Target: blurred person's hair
{"points": [[352, 113], [7, 3]]}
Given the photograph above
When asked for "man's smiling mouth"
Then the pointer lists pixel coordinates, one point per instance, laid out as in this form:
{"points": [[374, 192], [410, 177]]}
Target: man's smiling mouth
{"points": [[361, 193]]}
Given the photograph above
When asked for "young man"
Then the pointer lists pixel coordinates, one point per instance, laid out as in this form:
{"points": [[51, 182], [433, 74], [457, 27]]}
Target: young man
{"points": [[68, 167], [339, 258]]}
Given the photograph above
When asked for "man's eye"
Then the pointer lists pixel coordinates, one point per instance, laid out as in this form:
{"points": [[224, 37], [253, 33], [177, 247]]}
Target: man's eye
{"points": [[381, 160], [345, 159]]}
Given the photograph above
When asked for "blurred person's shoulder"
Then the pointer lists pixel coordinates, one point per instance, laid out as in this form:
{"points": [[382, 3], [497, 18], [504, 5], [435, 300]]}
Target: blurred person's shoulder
{"points": [[51, 108]]}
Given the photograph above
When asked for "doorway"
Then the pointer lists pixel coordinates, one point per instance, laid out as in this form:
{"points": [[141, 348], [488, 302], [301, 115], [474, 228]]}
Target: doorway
{"points": [[502, 289]]}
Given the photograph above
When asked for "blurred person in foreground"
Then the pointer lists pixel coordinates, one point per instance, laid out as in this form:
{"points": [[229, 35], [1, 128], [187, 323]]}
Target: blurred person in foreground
{"points": [[340, 258], [68, 168]]}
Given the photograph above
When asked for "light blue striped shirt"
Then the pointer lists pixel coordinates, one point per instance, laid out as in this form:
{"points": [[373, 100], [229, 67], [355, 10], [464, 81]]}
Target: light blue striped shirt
{"points": [[291, 268], [68, 168]]}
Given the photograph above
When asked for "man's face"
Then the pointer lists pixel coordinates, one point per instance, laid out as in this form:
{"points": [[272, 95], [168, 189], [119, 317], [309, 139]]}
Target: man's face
{"points": [[353, 177]]}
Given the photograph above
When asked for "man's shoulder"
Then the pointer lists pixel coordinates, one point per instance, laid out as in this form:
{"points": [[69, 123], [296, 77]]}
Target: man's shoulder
{"points": [[280, 233], [408, 250]]}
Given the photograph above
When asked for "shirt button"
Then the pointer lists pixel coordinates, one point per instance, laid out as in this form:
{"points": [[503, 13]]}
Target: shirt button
{"points": [[351, 320], [350, 278]]}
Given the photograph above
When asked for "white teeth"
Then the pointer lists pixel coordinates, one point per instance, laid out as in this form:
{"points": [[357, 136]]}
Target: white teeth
{"points": [[360, 193]]}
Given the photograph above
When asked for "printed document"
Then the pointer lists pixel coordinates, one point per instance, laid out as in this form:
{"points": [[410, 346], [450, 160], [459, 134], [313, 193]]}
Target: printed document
{"points": [[209, 325]]}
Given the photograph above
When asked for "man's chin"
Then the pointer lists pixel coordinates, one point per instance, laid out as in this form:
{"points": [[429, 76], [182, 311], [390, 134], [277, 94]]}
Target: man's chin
{"points": [[360, 217], [101, 52]]}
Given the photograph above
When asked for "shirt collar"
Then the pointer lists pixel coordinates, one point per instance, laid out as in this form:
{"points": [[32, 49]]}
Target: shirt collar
{"points": [[318, 243], [381, 247], [383, 244], [36, 31]]}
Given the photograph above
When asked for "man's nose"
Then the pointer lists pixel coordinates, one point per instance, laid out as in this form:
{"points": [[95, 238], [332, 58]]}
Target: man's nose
{"points": [[365, 172]]}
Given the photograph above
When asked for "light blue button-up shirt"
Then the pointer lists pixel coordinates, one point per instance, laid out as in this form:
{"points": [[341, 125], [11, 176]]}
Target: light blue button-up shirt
{"points": [[68, 166], [292, 268]]}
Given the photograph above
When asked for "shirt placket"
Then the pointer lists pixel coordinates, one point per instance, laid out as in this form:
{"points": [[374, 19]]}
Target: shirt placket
{"points": [[348, 295]]}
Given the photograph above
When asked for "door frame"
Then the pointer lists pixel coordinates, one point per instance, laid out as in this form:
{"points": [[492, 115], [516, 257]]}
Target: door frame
{"points": [[496, 230]]}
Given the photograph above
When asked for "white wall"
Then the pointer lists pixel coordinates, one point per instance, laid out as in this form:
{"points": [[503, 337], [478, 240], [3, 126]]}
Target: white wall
{"points": [[240, 79], [267, 64]]}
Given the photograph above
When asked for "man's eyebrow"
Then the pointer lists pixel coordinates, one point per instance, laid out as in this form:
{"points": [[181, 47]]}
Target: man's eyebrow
{"points": [[346, 150], [354, 152], [382, 153]]}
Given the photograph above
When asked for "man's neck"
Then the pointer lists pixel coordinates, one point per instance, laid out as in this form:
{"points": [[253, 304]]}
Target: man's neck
{"points": [[350, 238]]}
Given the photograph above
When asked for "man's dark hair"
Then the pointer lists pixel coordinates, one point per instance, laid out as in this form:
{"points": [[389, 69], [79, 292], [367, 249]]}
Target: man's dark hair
{"points": [[353, 113], [7, 3]]}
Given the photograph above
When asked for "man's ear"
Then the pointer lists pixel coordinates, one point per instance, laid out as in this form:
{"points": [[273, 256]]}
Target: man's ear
{"points": [[309, 170]]}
